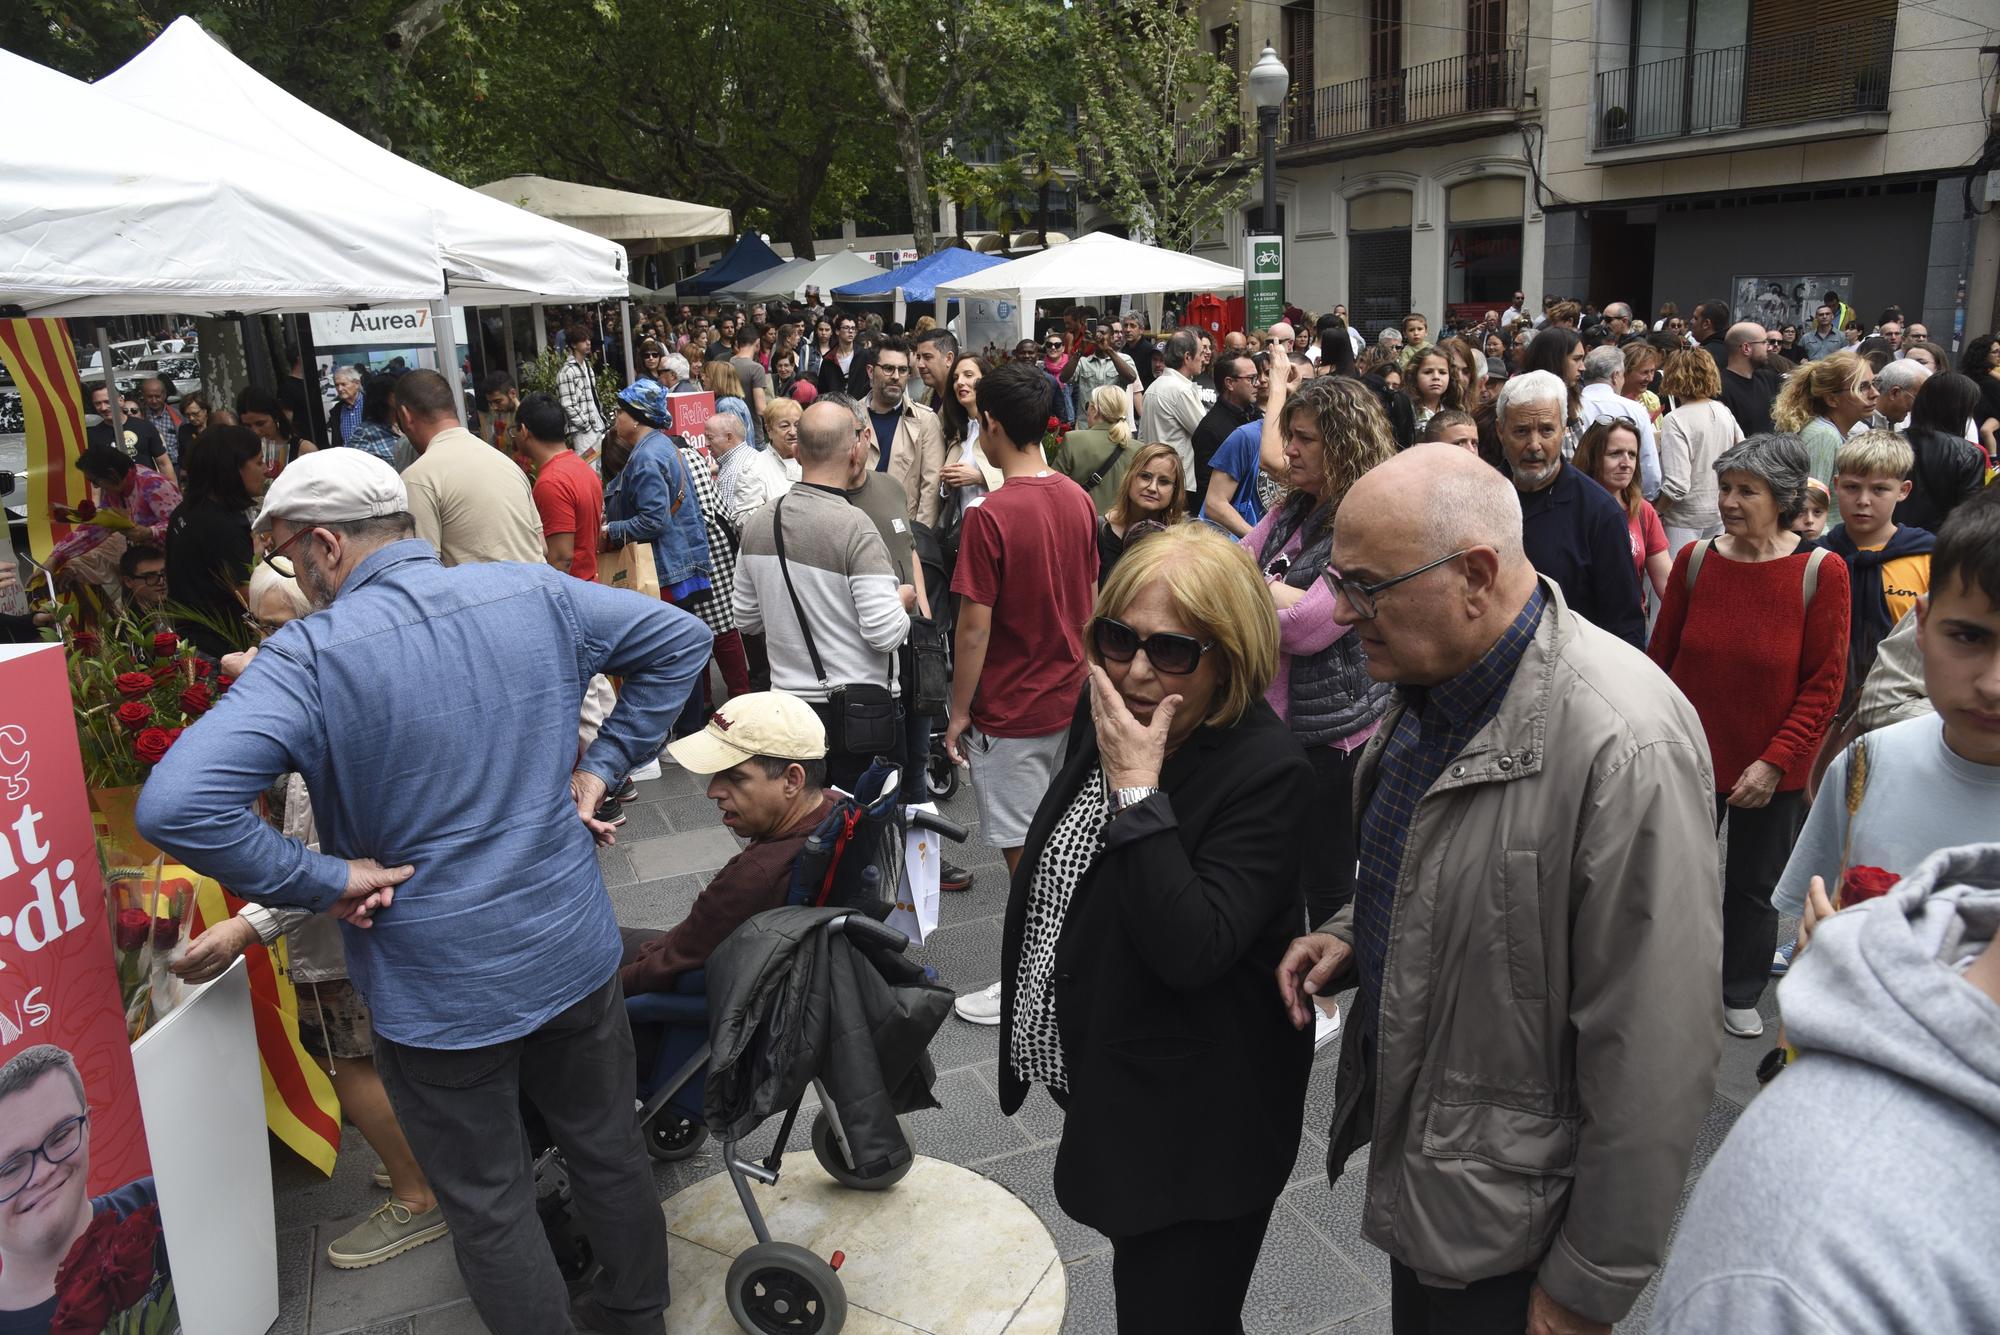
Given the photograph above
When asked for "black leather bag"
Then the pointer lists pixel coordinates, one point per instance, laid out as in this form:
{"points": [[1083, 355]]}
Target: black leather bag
{"points": [[864, 712], [929, 667]]}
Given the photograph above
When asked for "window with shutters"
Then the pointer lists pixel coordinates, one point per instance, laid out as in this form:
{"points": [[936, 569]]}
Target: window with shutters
{"points": [[1385, 62], [1298, 38], [1378, 260]]}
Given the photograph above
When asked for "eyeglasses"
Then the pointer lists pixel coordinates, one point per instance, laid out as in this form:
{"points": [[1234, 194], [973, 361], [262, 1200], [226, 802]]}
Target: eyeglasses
{"points": [[271, 558], [157, 579], [886, 369], [1170, 653], [56, 1147], [1361, 597]]}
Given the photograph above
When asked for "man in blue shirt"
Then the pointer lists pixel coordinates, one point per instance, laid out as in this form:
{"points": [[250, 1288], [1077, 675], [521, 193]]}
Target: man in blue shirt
{"points": [[457, 835]]}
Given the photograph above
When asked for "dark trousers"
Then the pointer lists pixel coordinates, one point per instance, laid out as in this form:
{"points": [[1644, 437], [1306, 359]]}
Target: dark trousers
{"points": [[916, 755], [1326, 872], [1188, 1278], [1760, 841], [845, 768], [462, 1113], [1496, 1306]]}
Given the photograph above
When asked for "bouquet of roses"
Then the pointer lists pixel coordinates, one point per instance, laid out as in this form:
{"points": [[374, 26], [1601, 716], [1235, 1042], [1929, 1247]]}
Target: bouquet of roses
{"points": [[112, 1281], [149, 921], [135, 691], [1053, 436]]}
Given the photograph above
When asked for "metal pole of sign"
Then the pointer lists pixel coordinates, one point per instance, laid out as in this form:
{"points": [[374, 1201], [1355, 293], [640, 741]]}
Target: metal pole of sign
{"points": [[315, 424], [625, 328], [110, 384], [447, 355]]}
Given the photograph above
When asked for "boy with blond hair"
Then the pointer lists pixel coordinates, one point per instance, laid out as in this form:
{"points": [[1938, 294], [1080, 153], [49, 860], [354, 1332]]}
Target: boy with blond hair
{"points": [[1889, 567]]}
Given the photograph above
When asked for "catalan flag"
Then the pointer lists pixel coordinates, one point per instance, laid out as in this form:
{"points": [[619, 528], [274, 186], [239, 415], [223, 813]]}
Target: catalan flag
{"points": [[43, 362], [299, 1103]]}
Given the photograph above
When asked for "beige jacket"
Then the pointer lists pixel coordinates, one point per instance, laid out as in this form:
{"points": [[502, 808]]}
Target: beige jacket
{"points": [[1551, 1006], [916, 457]]}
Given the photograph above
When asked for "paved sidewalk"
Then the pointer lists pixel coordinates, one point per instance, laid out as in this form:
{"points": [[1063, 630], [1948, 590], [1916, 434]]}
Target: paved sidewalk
{"points": [[1316, 1276]]}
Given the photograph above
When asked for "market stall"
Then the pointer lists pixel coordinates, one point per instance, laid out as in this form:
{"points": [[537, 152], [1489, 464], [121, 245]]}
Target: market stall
{"points": [[1098, 264]]}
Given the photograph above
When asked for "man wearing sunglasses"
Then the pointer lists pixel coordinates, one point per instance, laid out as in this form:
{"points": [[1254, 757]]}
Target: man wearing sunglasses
{"points": [[1539, 1030], [45, 1201]]}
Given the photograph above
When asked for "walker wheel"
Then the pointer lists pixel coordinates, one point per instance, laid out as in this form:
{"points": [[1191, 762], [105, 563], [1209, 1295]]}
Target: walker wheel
{"points": [[670, 1137], [779, 1288], [826, 1148]]}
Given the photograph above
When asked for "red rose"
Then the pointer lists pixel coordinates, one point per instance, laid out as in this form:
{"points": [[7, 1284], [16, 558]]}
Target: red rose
{"points": [[132, 685], [166, 644], [87, 643], [128, 1257], [151, 744], [223, 681], [196, 699], [1864, 883], [1055, 424], [202, 667], [130, 933], [135, 714], [86, 509], [83, 1299], [166, 932]]}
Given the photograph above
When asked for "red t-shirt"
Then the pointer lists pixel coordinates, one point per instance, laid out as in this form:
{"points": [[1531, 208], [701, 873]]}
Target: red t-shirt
{"points": [[571, 500], [1648, 536], [1029, 552]]}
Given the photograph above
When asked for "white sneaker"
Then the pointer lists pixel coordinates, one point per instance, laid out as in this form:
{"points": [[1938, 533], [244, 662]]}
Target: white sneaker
{"points": [[647, 771], [1743, 1022], [1326, 1027], [979, 1007]]}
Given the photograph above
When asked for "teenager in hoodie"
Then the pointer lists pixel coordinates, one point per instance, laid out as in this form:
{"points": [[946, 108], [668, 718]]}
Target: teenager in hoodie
{"points": [[1856, 1194], [1889, 565]]}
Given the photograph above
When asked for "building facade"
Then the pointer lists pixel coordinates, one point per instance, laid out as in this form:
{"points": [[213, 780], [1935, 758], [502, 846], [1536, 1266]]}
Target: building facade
{"points": [[1766, 151], [1439, 155]]}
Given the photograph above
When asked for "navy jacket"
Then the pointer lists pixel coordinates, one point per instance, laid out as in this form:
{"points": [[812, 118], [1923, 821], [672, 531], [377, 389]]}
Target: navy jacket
{"points": [[1578, 536]]}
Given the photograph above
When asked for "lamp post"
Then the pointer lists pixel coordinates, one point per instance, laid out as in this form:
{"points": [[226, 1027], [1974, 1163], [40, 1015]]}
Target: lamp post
{"points": [[1269, 82], [1264, 259]]}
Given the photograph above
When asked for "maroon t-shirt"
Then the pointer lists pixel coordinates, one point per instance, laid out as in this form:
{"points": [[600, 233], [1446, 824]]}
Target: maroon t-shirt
{"points": [[571, 500], [1029, 552]]}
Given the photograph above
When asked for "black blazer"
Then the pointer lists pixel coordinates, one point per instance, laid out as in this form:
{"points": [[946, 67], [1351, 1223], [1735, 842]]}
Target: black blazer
{"points": [[1165, 983]]}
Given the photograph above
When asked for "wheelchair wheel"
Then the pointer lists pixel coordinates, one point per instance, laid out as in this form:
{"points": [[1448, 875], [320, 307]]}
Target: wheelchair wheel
{"points": [[940, 776], [777, 1288], [827, 1150], [670, 1137]]}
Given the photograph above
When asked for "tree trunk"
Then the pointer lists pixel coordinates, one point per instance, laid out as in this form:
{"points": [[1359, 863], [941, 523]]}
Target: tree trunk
{"points": [[910, 148], [798, 225], [225, 366]]}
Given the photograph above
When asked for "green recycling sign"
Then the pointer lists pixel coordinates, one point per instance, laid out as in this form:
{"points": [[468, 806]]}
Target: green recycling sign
{"points": [[1264, 281]]}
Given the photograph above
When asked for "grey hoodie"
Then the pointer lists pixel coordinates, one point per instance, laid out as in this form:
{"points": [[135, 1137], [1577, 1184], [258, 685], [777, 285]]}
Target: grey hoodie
{"points": [[1860, 1192]]}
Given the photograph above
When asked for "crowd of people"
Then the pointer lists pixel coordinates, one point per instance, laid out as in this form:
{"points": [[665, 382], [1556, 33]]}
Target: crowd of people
{"points": [[1436, 665]]}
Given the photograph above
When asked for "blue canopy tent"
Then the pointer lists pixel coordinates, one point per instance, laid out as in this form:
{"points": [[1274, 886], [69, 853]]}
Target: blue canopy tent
{"points": [[919, 278], [748, 256]]}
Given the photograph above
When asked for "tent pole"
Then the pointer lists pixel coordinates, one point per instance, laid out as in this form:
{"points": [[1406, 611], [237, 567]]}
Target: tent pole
{"points": [[315, 425], [447, 355], [942, 306], [900, 312], [513, 353], [110, 384], [541, 332], [625, 328]]}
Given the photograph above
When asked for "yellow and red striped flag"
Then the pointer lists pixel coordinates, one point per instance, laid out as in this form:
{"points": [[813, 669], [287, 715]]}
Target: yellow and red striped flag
{"points": [[43, 362]]}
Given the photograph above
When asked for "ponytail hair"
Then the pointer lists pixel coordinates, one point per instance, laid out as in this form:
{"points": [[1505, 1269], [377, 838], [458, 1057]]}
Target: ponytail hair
{"points": [[1113, 405]]}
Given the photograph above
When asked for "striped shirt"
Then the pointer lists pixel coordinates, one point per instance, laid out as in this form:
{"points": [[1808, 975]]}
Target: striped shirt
{"points": [[1437, 724]]}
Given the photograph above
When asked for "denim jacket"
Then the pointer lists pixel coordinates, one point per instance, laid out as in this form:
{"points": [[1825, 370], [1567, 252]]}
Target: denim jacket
{"points": [[651, 500]]}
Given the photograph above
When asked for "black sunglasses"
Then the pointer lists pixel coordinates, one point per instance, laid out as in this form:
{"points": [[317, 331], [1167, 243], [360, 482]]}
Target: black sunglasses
{"points": [[1171, 654]]}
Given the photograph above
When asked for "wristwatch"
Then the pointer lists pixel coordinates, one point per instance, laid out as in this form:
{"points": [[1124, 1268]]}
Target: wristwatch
{"points": [[1123, 798]]}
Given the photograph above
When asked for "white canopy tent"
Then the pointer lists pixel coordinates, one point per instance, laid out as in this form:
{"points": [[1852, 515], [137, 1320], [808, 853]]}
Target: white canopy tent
{"points": [[793, 277], [98, 219], [1093, 265], [620, 215], [493, 253]]}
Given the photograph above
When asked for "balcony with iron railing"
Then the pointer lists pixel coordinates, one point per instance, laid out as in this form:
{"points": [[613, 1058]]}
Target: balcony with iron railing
{"points": [[1830, 73]]}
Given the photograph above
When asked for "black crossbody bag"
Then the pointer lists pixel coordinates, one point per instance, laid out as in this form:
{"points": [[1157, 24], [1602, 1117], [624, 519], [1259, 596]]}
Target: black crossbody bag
{"points": [[864, 713]]}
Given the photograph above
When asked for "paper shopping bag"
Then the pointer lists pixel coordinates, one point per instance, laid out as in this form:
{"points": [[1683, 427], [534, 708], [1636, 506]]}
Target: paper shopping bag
{"points": [[630, 567]]}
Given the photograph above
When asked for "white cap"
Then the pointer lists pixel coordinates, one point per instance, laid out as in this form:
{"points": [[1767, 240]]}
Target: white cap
{"points": [[336, 486], [762, 723]]}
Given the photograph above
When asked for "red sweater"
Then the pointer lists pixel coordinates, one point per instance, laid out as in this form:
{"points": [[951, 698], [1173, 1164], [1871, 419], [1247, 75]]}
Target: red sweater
{"points": [[1763, 671]]}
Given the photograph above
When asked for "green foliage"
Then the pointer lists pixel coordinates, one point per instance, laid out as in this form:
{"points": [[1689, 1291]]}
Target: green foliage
{"points": [[539, 376], [1155, 111]]}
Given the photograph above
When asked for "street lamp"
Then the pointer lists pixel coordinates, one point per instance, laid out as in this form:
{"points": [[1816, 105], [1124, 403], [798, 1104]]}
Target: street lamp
{"points": [[1269, 82]]}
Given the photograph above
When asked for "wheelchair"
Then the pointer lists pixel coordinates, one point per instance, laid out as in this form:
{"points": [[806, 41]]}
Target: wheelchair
{"points": [[853, 860]]}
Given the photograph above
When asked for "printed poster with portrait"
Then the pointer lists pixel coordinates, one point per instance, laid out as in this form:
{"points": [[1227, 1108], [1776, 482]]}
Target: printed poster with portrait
{"points": [[81, 1247], [1777, 300]]}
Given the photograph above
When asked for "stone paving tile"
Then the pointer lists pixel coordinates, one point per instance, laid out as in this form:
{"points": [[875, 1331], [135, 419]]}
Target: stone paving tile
{"points": [[345, 1300], [1336, 1213], [305, 1196], [1368, 1323], [387, 1328], [682, 854], [658, 904], [457, 1319], [616, 866], [296, 1248], [1039, 1119], [1030, 1174], [643, 820], [958, 1044], [969, 1125], [1091, 1307], [966, 956], [1303, 1282], [691, 814]]}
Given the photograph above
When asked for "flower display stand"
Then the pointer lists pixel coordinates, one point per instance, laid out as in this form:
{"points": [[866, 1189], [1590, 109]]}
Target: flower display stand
{"points": [[203, 1099]]}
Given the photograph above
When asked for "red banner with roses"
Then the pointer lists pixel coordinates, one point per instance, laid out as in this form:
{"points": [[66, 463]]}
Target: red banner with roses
{"points": [[69, 1101]]}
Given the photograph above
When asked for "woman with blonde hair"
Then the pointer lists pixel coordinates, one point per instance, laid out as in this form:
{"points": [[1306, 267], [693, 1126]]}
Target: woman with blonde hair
{"points": [[1820, 404], [720, 379], [1692, 437], [1097, 456], [1334, 431], [1641, 360], [1156, 893], [1152, 496]]}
